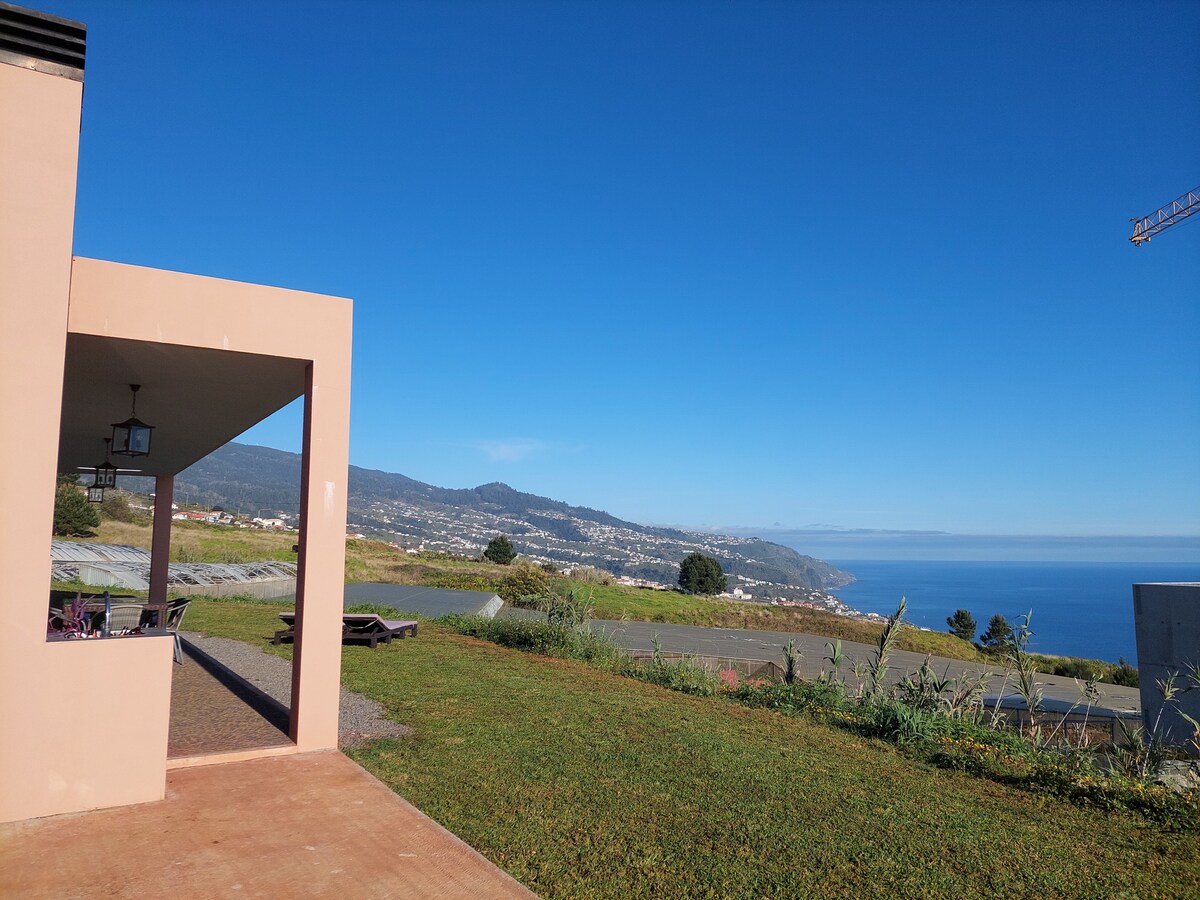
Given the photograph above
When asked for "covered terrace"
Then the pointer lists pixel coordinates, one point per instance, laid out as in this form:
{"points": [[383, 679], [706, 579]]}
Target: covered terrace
{"points": [[86, 721]]}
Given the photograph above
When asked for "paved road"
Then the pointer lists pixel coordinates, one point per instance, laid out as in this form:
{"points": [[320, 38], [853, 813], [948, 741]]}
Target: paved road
{"points": [[768, 645], [742, 643]]}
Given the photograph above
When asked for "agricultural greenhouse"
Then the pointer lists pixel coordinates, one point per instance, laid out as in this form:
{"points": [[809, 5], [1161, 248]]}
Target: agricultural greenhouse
{"points": [[117, 565]]}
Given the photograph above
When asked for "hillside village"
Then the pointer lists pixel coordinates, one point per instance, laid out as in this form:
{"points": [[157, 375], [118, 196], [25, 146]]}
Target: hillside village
{"points": [[634, 557], [415, 516], [459, 532]]}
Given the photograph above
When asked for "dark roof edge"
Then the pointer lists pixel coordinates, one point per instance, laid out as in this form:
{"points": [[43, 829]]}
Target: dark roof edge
{"points": [[38, 14], [40, 42]]}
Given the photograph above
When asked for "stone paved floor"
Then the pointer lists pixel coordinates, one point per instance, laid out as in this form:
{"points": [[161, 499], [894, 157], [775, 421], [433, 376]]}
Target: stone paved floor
{"points": [[305, 825], [214, 712]]}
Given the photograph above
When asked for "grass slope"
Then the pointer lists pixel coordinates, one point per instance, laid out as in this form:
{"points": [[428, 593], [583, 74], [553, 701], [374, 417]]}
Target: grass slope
{"points": [[583, 784], [376, 561]]}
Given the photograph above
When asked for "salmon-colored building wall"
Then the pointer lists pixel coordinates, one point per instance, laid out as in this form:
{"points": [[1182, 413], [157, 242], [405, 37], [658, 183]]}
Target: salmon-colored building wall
{"points": [[60, 737], [83, 724]]}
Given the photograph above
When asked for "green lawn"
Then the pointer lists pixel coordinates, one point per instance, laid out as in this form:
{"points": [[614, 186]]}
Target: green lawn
{"points": [[583, 784]]}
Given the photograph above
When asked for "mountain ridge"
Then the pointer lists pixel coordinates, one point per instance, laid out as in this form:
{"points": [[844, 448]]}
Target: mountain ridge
{"points": [[395, 507]]}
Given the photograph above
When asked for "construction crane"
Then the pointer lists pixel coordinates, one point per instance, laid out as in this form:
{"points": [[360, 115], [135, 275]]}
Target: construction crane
{"points": [[1160, 220]]}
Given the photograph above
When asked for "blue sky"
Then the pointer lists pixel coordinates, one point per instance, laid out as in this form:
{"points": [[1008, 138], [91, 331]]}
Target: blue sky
{"points": [[762, 264]]}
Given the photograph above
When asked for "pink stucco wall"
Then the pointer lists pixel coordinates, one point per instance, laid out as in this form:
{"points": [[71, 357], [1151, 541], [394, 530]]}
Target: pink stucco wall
{"points": [[84, 724], [66, 742]]}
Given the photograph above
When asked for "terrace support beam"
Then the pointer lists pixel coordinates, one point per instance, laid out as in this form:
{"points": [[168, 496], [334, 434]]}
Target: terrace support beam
{"points": [[320, 577], [160, 543]]}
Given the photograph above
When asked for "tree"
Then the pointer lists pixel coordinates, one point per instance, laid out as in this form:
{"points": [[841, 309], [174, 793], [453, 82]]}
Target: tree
{"points": [[999, 635], [500, 550], [72, 512], [700, 574], [962, 624]]}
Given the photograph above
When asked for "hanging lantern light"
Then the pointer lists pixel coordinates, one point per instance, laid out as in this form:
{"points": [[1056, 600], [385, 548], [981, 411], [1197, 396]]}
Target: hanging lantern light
{"points": [[106, 472], [95, 493], [132, 437]]}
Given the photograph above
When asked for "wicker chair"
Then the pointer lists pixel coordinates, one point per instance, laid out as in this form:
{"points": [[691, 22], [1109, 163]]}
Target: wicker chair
{"points": [[124, 615]]}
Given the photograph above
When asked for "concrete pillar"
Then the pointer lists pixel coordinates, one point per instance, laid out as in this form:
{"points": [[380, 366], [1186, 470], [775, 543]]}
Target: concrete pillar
{"points": [[320, 581], [160, 543], [1166, 618]]}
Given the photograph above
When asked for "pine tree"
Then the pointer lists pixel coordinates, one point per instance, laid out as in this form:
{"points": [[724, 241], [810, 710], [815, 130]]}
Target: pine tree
{"points": [[962, 624], [500, 550], [72, 512], [700, 574], [999, 635]]}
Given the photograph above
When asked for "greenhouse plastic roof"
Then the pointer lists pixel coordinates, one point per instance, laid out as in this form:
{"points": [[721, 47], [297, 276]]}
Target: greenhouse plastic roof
{"points": [[130, 567], [73, 551]]}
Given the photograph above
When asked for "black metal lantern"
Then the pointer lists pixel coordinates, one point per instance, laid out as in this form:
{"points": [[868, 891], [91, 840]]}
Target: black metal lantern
{"points": [[106, 472], [95, 493], [132, 437]]}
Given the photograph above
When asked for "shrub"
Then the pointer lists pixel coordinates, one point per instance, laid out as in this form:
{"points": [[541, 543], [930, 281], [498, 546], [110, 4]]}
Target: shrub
{"points": [[542, 638], [182, 554], [985, 754], [116, 507], [463, 581], [524, 580], [923, 690], [571, 611], [1075, 668], [529, 601], [896, 721], [1123, 674], [792, 698], [684, 675], [591, 575]]}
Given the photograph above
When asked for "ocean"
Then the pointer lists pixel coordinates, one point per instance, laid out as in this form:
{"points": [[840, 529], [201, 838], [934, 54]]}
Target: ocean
{"points": [[1079, 609]]}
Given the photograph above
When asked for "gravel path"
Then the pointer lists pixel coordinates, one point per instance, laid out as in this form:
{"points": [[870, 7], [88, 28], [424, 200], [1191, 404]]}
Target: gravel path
{"points": [[360, 718]]}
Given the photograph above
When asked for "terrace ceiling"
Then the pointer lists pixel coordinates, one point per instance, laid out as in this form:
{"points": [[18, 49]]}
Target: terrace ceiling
{"points": [[198, 399]]}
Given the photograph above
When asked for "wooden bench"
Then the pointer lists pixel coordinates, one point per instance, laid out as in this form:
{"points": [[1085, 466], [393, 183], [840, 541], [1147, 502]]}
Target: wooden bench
{"points": [[357, 628]]}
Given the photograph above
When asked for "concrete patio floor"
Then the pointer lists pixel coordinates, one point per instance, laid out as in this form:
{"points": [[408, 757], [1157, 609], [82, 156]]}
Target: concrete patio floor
{"points": [[304, 825], [215, 711]]}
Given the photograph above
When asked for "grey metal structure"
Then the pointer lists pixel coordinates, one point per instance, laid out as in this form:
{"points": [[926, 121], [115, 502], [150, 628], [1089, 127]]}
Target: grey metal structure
{"points": [[1161, 219], [118, 565]]}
